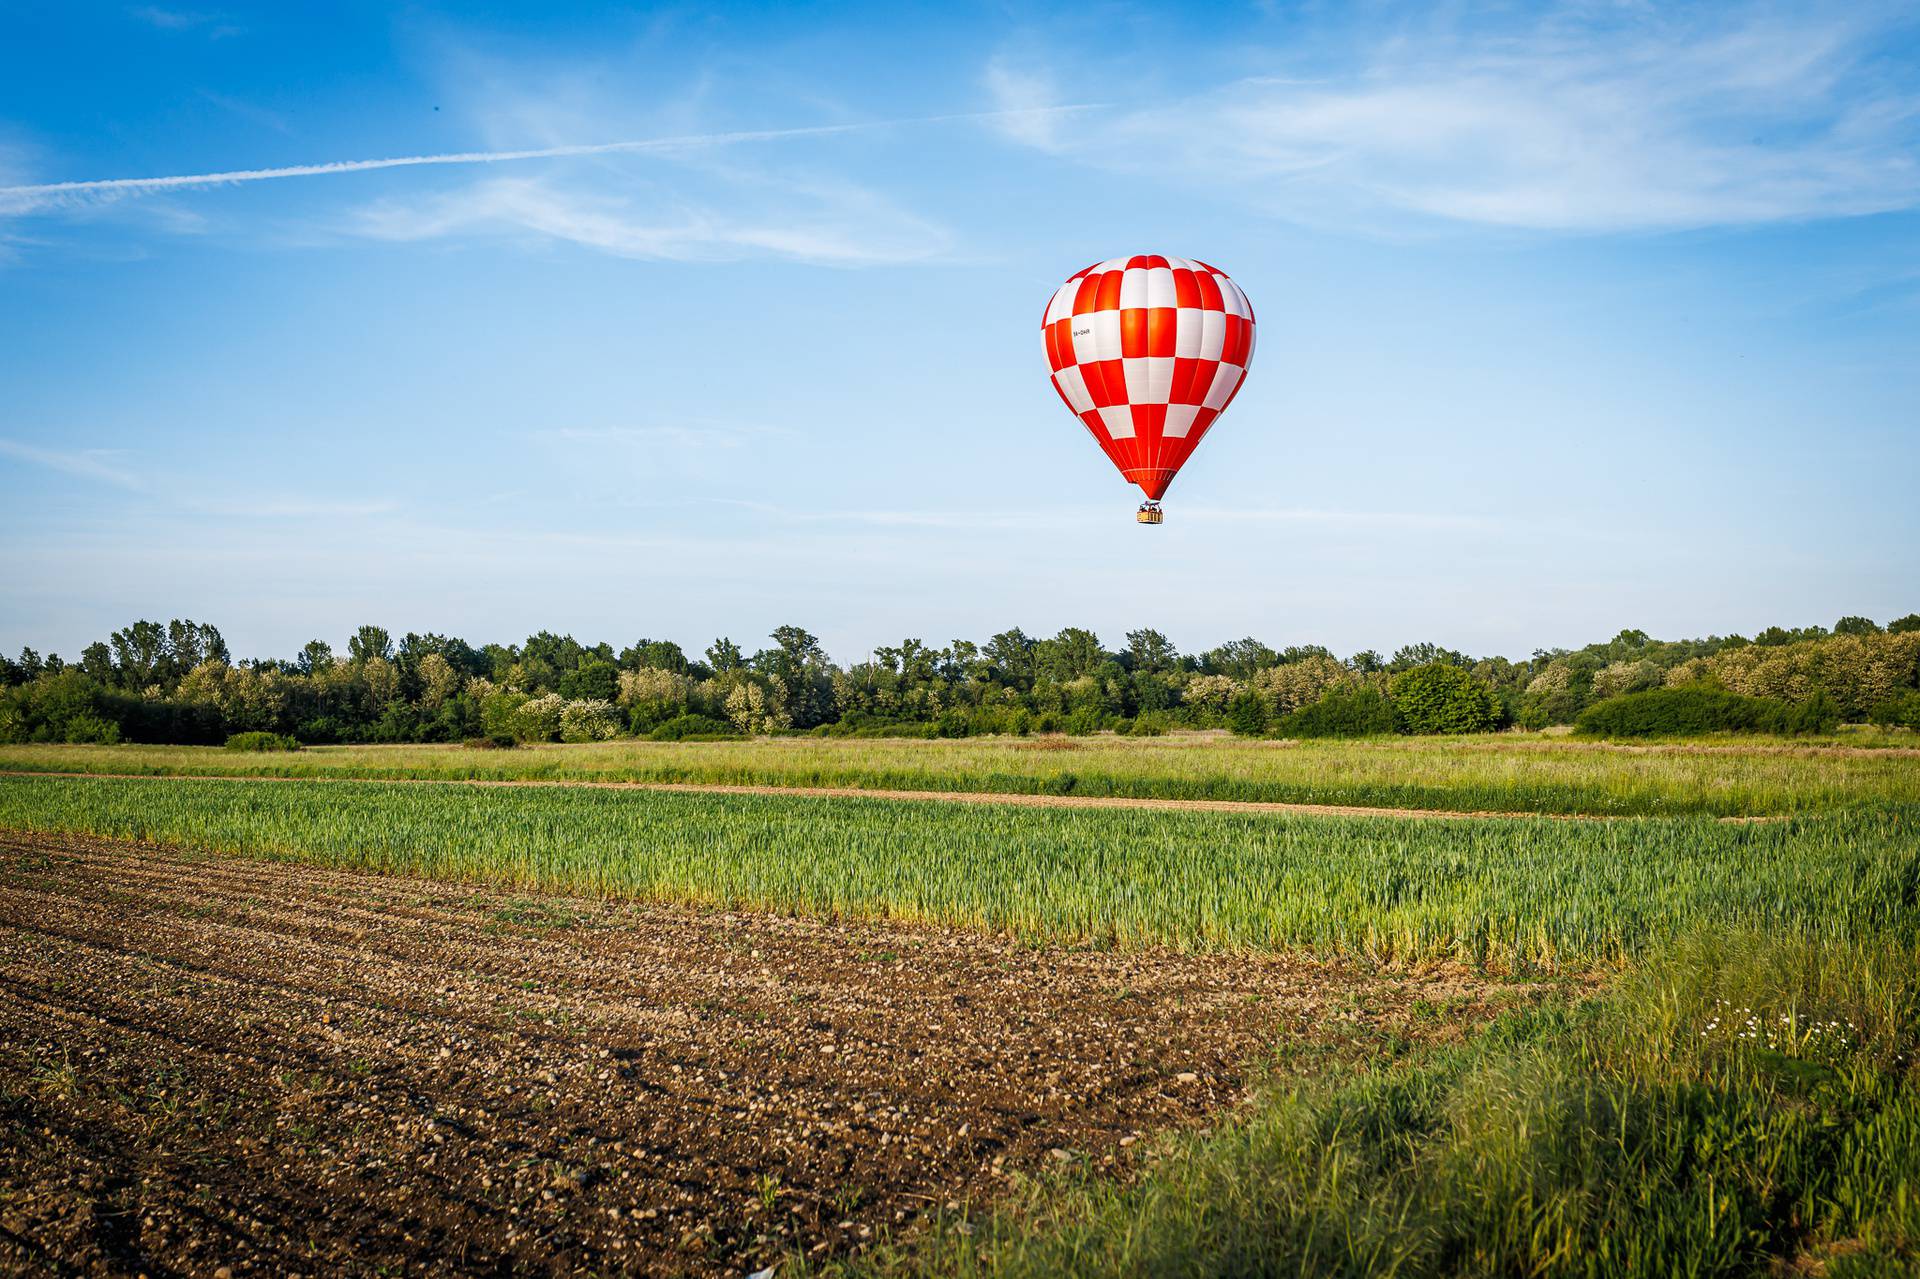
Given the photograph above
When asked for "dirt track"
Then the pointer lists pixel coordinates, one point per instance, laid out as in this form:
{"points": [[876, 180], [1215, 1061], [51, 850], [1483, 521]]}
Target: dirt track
{"points": [[210, 1062], [855, 792]]}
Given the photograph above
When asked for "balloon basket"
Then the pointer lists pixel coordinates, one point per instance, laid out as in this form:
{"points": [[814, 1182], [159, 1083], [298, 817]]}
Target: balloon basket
{"points": [[1149, 513]]}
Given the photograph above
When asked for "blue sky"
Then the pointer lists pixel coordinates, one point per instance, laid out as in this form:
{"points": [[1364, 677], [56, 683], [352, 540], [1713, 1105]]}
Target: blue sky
{"points": [[1571, 318]]}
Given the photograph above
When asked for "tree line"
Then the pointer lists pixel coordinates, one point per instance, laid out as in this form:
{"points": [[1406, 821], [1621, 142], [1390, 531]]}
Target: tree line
{"points": [[179, 683]]}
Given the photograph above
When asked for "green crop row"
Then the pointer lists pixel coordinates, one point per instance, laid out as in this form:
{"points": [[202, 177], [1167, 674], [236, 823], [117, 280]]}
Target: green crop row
{"points": [[1505, 894], [1529, 774]]}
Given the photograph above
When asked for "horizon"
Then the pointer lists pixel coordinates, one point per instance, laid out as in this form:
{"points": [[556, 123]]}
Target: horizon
{"points": [[696, 651], [1573, 320]]}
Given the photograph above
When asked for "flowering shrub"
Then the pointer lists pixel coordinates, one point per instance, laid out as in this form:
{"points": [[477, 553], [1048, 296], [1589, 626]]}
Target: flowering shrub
{"points": [[538, 719], [1625, 677], [589, 720], [1210, 693], [1287, 688], [752, 711], [649, 687], [1859, 672]]}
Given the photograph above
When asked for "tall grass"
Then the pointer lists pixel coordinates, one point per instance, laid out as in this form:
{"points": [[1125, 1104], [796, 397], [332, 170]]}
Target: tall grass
{"points": [[1734, 1107], [1502, 894], [1549, 775]]}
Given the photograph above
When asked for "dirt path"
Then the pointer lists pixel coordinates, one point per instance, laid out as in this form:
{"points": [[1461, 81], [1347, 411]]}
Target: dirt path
{"points": [[210, 1062], [950, 797]]}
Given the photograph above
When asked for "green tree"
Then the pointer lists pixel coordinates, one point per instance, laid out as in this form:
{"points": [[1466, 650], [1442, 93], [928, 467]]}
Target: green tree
{"points": [[190, 643], [96, 659], [1069, 655], [1149, 650], [1856, 626], [654, 655], [140, 652], [1012, 655], [724, 655], [594, 680], [1247, 715], [1238, 659], [1440, 697], [315, 656], [369, 642], [799, 666], [1426, 654]]}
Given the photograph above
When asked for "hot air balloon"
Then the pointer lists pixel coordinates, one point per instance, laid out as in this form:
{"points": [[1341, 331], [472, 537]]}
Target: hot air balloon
{"points": [[1148, 352]]}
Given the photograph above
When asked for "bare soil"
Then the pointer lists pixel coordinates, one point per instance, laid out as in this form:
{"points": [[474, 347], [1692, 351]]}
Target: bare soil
{"points": [[216, 1065]]}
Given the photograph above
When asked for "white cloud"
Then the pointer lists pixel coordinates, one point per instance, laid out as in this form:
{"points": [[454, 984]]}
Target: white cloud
{"points": [[1585, 120], [688, 435], [248, 111], [118, 469], [850, 228], [182, 20], [166, 19], [35, 197], [102, 465], [1022, 95], [290, 508]]}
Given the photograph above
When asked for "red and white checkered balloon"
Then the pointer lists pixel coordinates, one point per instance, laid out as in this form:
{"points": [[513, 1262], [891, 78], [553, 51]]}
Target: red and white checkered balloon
{"points": [[1148, 351]]}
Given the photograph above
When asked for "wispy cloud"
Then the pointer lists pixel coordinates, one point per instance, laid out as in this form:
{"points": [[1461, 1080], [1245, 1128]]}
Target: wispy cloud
{"points": [[690, 435], [291, 508], [850, 227], [182, 20], [117, 468], [44, 195], [1421, 520], [107, 466], [1024, 95], [1079, 517], [166, 19], [248, 111], [1585, 119]]}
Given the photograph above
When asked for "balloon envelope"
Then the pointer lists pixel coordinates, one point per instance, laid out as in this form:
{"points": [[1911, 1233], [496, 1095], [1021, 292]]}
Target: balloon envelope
{"points": [[1148, 351]]}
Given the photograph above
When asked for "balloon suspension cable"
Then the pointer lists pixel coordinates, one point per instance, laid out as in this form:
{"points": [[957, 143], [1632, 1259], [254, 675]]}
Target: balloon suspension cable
{"points": [[1149, 513]]}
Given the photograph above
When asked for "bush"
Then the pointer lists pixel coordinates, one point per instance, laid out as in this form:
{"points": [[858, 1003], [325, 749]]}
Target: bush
{"points": [[1442, 698], [589, 720], [262, 742], [1356, 712], [698, 728], [321, 730], [63, 707], [1247, 715], [537, 719], [1085, 720], [491, 742], [1899, 712], [89, 729], [1151, 724], [1693, 709]]}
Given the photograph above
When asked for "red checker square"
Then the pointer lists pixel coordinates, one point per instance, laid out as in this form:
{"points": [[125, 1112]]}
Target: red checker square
{"points": [[1163, 328]]}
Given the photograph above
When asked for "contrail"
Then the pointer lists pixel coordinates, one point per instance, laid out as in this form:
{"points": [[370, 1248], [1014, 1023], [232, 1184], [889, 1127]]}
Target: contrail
{"points": [[26, 198]]}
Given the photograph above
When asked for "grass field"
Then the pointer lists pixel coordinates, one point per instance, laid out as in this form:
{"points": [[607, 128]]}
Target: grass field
{"points": [[1503, 894], [1738, 1105], [1503, 772], [1732, 1088]]}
